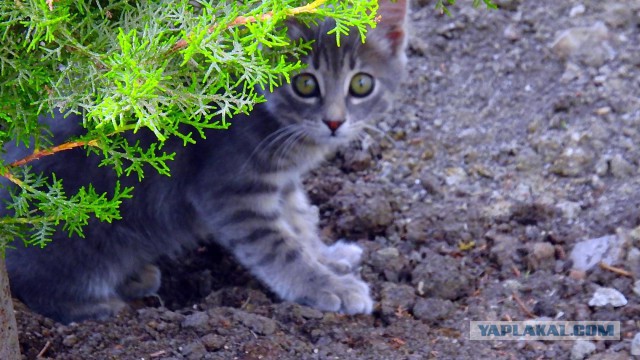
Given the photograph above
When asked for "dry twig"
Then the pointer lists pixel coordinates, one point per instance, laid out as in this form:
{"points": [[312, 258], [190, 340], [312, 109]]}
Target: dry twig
{"points": [[522, 305], [613, 269]]}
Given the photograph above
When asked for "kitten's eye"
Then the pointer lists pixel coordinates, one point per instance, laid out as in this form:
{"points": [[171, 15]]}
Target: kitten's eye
{"points": [[361, 85], [305, 85]]}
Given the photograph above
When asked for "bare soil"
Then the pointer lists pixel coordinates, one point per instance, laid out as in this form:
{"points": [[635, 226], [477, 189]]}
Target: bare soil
{"points": [[504, 151]]}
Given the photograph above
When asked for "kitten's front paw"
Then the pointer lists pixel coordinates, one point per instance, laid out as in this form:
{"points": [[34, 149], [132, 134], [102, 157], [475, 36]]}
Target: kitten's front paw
{"points": [[345, 294], [342, 257]]}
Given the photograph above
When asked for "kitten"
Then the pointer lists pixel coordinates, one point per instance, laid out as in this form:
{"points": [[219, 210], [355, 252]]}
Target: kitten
{"points": [[241, 188]]}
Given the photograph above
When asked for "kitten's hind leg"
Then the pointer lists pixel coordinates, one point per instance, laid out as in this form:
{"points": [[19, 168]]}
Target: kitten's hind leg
{"points": [[98, 310], [144, 282]]}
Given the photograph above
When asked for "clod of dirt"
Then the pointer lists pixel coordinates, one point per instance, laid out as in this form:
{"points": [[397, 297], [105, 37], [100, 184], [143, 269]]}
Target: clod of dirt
{"points": [[503, 251], [197, 320], [388, 262], [432, 309], [396, 299], [369, 213], [441, 277]]}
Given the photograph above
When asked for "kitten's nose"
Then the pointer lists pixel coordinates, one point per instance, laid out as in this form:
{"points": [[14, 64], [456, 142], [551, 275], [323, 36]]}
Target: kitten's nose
{"points": [[333, 125]]}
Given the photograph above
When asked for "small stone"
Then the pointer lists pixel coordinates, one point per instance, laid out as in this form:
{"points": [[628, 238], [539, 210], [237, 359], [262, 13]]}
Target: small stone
{"points": [[527, 159], [588, 253], [620, 167], [636, 287], [213, 342], [512, 285], [388, 253], [577, 10], [607, 296], [454, 176], [511, 32], [576, 274], [587, 45], [619, 14], [432, 309], [605, 110], [172, 316], [569, 209], [602, 166], [633, 260], [572, 162], [635, 235], [635, 345], [70, 340], [582, 348], [542, 256], [197, 320]]}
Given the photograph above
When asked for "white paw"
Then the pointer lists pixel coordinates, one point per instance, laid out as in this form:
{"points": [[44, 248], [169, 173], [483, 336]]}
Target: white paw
{"points": [[342, 257], [345, 294]]}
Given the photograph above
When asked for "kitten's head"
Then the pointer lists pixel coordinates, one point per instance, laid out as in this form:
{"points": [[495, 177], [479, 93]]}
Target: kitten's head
{"points": [[343, 87]]}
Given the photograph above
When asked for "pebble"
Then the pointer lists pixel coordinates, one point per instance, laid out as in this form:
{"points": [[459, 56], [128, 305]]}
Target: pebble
{"points": [[588, 253], [70, 340], [620, 167], [607, 296], [454, 176], [633, 260], [542, 256], [635, 235], [636, 287], [511, 32], [582, 348], [213, 342], [577, 10], [619, 14], [576, 274], [587, 45], [572, 162], [569, 209], [635, 345]]}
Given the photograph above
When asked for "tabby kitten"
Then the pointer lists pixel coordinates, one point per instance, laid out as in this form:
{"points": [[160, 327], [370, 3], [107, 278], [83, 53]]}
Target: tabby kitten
{"points": [[250, 201]]}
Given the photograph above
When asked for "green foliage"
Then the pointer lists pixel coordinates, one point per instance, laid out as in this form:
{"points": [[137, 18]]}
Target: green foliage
{"points": [[441, 6], [41, 205], [175, 69]]}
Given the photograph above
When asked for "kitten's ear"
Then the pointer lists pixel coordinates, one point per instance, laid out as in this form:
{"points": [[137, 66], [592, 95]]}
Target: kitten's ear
{"points": [[391, 29]]}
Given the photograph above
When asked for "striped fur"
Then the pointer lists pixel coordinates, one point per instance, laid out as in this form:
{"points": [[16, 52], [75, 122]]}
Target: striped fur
{"points": [[241, 188]]}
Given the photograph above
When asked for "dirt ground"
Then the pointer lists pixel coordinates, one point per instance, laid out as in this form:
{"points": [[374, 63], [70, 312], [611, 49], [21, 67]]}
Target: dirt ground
{"points": [[512, 141]]}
